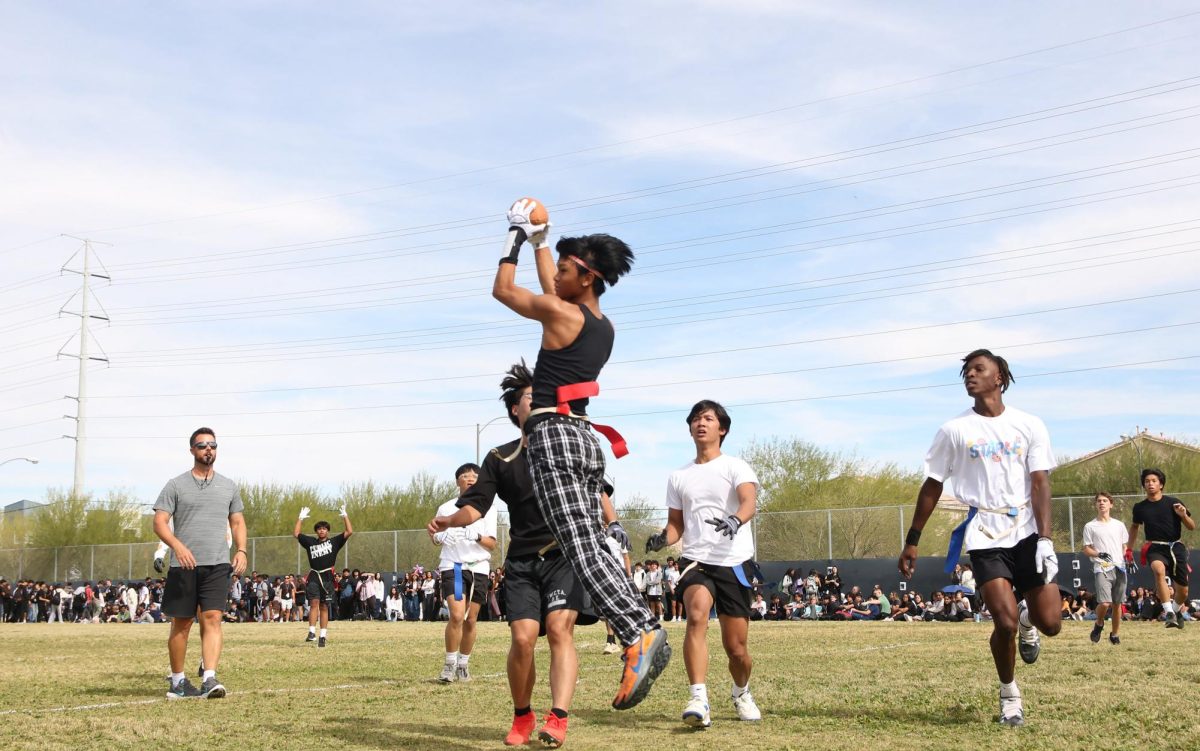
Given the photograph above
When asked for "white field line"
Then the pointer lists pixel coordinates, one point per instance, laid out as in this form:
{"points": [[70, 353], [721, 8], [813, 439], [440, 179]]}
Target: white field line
{"points": [[884, 646]]}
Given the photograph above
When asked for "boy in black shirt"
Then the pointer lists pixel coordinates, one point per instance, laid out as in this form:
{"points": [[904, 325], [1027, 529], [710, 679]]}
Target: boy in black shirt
{"points": [[544, 595], [1163, 516], [322, 553]]}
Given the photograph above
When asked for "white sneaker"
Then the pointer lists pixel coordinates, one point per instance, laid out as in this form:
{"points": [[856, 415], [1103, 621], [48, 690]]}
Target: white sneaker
{"points": [[696, 715], [447, 675], [747, 710], [1012, 712], [461, 673], [611, 648]]}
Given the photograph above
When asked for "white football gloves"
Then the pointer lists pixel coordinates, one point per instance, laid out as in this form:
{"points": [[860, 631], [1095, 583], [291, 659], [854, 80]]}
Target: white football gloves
{"points": [[1045, 559], [304, 512], [518, 216]]}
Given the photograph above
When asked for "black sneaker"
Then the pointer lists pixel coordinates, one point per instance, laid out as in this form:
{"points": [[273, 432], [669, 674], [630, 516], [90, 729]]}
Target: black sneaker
{"points": [[1097, 630], [321, 642], [1172, 620], [183, 690], [1114, 640], [200, 670], [212, 689], [1178, 620], [311, 637]]}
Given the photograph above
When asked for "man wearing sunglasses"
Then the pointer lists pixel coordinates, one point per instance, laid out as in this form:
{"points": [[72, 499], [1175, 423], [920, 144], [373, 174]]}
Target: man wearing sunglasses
{"points": [[190, 516]]}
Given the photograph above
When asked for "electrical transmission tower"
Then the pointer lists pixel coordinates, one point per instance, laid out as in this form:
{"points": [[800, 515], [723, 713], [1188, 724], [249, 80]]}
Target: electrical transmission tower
{"points": [[85, 314]]}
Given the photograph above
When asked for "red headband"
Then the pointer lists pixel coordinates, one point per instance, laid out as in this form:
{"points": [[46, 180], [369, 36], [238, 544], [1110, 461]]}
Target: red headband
{"points": [[586, 268]]}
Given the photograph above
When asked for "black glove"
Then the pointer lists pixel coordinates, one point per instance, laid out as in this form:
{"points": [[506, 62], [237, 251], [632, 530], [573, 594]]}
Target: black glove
{"points": [[618, 533], [728, 526], [1105, 557], [656, 542]]}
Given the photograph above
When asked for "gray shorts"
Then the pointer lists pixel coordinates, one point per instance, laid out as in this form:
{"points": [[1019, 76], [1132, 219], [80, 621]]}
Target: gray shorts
{"points": [[1111, 585]]}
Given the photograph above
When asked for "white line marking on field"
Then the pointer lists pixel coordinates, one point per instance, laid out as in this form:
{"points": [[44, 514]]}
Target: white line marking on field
{"points": [[885, 646]]}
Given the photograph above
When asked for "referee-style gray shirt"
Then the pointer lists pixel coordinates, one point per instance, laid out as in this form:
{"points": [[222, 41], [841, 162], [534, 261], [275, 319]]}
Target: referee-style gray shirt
{"points": [[201, 515]]}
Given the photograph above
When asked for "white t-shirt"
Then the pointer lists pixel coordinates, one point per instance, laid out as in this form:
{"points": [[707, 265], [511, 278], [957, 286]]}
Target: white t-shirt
{"points": [[458, 545], [1106, 537], [989, 461], [709, 491]]}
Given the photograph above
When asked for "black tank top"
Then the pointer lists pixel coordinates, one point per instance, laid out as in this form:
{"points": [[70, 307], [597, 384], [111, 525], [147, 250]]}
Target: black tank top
{"points": [[578, 362]]}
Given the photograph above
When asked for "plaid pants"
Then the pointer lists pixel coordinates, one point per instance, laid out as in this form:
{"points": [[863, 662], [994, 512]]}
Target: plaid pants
{"points": [[567, 466]]}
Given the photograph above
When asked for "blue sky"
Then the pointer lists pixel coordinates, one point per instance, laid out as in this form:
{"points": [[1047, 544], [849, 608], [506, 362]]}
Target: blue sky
{"points": [[303, 207]]}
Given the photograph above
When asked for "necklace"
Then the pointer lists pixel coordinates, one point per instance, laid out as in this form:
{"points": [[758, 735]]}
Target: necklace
{"points": [[204, 483]]}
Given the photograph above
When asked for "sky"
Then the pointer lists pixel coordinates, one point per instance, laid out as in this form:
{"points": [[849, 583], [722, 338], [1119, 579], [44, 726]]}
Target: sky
{"points": [[300, 207]]}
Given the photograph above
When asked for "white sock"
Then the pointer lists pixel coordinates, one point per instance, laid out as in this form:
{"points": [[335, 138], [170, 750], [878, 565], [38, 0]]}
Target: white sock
{"points": [[463, 660], [175, 679], [451, 658], [700, 691], [209, 674], [1169, 606], [312, 629], [1010, 690], [1023, 618], [739, 690], [324, 632]]}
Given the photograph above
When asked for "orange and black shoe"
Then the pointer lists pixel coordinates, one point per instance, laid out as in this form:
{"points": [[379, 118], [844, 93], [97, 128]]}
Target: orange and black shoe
{"points": [[522, 729], [554, 731], [645, 659]]}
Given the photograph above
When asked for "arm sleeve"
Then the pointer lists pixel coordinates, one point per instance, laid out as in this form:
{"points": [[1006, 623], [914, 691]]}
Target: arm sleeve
{"points": [[744, 473], [939, 461], [674, 499], [489, 523], [305, 540], [1040, 457], [1089, 536]]}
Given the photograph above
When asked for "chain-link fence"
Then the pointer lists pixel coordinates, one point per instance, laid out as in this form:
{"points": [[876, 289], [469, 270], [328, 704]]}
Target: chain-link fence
{"points": [[825, 534]]}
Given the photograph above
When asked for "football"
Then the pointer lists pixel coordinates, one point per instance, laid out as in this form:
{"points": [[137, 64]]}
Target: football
{"points": [[538, 215]]}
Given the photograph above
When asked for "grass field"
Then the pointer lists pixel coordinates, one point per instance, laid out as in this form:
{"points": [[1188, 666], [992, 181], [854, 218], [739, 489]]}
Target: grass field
{"points": [[820, 685]]}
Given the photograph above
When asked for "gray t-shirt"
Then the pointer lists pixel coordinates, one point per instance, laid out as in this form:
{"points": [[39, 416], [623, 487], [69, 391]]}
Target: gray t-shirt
{"points": [[201, 515]]}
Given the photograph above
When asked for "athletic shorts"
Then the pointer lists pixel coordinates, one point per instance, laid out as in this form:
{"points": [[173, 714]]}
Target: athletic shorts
{"points": [[731, 597], [654, 598], [1177, 568], [474, 586], [535, 586], [319, 586], [1111, 586], [1017, 564], [206, 587]]}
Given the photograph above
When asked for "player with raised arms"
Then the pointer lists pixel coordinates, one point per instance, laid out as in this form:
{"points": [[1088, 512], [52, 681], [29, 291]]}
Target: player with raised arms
{"points": [[322, 552], [565, 459], [999, 460]]}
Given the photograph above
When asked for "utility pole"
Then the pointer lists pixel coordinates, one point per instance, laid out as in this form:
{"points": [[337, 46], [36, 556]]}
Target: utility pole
{"points": [[85, 314]]}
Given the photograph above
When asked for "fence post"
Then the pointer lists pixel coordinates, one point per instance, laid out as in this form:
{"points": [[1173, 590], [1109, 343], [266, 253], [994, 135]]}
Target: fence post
{"points": [[901, 510], [1071, 520], [829, 522], [346, 560], [254, 554], [299, 562], [395, 550], [21, 564], [92, 564], [56, 564]]}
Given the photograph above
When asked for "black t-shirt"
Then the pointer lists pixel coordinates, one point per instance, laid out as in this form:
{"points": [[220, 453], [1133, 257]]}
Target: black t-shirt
{"points": [[510, 481], [1159, 518], [322, 555]]}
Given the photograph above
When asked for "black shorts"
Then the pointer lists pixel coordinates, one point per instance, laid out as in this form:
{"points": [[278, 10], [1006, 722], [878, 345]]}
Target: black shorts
{"points": [[206, 587], [732, 598], [1017, 564], [654, 598], [535, 586], [319, 586], [474, 586], [1177, 567]]}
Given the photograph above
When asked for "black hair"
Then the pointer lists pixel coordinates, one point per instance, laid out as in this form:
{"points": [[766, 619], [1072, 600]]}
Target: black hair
{"points": [[1162, 476], [468, 467], [201, 431], [722, 416], [320, 524], [606, 255], [516, 379], [1006, 376]]}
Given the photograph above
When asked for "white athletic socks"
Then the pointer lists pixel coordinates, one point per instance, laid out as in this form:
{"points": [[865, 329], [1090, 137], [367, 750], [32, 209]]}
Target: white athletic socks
{"points": [[452, 658], [700, 691], [463, 660], [1023, 619], [209, 674], [313, 630], [739, 690], [1010, 691], [324, 633], [1169, 606], [175, 679]]}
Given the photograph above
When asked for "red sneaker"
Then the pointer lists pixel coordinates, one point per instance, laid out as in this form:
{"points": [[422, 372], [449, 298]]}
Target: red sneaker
{"points": [[522, 729], [553, 732]]}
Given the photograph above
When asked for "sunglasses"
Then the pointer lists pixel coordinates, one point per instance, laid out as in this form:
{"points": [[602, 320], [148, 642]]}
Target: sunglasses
{"points": [[204, 445]]}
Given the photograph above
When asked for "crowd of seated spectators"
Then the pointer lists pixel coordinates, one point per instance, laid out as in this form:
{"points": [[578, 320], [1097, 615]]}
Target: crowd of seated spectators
{"points": [[28, 601]]}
